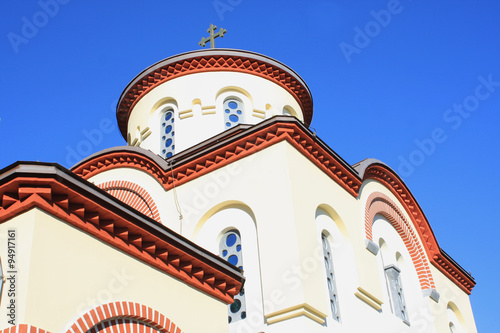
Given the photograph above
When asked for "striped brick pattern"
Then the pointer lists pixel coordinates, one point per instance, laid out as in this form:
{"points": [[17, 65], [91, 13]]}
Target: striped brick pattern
{"points": [[133, 195], [379, 203], [23, 328], [123, 317]]}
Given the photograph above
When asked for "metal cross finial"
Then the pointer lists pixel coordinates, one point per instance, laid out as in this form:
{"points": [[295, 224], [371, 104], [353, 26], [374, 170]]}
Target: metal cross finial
{"points": [[213, 35]]}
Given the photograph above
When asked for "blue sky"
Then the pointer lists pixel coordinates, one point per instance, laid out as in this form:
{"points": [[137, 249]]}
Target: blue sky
{"points": [[415, 84]]}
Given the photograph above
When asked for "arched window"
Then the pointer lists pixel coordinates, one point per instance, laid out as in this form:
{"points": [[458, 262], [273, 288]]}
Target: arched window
{"points": [[396, 295], [230, 250], [233, 112], [167, 133], [330, 278]]}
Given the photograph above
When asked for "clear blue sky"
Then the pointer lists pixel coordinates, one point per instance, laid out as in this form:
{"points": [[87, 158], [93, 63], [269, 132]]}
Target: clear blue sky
{"points": [[418, 89]]}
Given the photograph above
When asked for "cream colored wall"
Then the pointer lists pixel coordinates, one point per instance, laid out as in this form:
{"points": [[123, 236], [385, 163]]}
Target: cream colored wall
{"points": [[450, 292], [193, 124], [71, 273]]}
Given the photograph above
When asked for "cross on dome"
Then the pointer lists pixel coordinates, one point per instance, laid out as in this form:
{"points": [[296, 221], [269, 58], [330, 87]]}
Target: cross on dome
{"points": [[213, 35]]}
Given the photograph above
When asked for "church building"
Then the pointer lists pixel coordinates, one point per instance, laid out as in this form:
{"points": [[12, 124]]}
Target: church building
{"points": [[223, 213]]}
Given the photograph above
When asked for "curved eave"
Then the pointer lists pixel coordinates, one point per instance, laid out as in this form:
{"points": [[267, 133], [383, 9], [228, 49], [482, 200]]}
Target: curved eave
{"points": [[210, 61], [374, 169]]}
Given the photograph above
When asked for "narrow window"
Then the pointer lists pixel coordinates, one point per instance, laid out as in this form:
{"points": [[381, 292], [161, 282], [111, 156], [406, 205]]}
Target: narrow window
{"points": [[167, 133], [233, 112], [330, 278], [396, 295], [230, 250]]}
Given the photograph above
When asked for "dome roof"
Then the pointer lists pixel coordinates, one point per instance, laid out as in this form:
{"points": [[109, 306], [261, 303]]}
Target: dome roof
{"points": [[213, 60]]}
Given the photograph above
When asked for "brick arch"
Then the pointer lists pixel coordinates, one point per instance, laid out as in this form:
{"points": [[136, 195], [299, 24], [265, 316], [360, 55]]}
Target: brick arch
{"points": [[123, 317], [133, 195], [379, 203]]}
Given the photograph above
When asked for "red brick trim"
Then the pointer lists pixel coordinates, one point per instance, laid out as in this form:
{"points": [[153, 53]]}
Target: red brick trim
{"points": [[23, 328], [211, 63], [24, 193], [390, 180], [133, 195], [123, 317], [230, 153], [378, 203]]}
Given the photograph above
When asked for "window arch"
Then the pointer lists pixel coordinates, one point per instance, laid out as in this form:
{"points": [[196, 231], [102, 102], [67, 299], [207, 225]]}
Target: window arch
{"points": [[330, 277], [391, 263], [230, 250], [167, 132], [233, 112]]}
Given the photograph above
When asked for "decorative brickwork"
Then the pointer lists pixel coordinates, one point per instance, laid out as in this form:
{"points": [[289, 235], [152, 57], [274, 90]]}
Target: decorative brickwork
{"points": [[390, 180], [23, 328], [123, 317], [379, 203], [237, 62], [24, 193], [230, 153], [133, 195]]}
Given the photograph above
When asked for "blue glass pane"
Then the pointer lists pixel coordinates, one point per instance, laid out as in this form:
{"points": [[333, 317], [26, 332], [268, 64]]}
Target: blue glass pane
{"points": [[163, 151], [228, 319], [238, 248], [233, 260], [243, 314], [224, 253], [231, 239], [228, 124], [232, 105], [242, 292], [173, 133], [238, 112], [168, 115], [163, 124], [241, 267], [236, 306], [168, 143], [163, 137], [168, 129], [227, 110], [169, 154], [234, 118]]}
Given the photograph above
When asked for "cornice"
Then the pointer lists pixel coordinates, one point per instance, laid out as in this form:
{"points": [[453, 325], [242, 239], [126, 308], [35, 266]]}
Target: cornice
{"points": [[383, 174], [228, 151], [75, 201], [213, 61]]}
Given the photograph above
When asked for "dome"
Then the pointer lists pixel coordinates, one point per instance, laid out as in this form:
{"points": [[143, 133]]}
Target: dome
{"points": [[188, 98]]}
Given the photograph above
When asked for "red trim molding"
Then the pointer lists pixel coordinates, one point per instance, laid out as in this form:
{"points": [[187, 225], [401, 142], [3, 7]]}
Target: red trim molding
{"points": [[390, 180], [123, 317], [230, 153], [24, 193], [243, 63], [133, 195], [378, 203]]}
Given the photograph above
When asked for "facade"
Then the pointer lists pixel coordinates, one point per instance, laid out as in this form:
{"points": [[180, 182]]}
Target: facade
{"points": [[224, 213]]}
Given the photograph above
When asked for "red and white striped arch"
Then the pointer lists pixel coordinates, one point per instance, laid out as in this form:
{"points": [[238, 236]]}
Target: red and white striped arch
{"points": [[123, 317], [116, 317], [133, 195], [379, 203]]}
